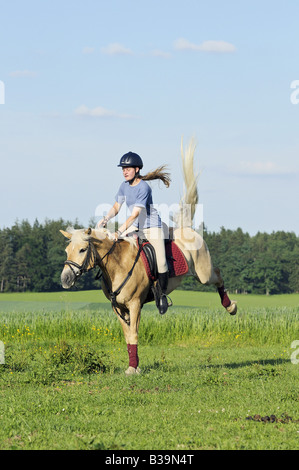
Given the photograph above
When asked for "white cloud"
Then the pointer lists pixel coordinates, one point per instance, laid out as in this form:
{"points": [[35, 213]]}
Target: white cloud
{"points": [[182, 44], [100, 112], [261, 168], [116, 49], [88, 50], [22, 73], [159, 53]]}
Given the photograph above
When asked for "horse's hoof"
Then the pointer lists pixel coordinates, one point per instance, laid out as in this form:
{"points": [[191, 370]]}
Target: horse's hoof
{"points": [[131, 371], [232, 308]]}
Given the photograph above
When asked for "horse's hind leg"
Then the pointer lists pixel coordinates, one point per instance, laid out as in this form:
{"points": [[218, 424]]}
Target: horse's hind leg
{"points": [[215, 279], [205, 273], [229, 305]]}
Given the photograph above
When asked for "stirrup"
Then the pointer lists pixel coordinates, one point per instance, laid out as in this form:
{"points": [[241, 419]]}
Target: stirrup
{"points": [[164, 303], [169, 301]]}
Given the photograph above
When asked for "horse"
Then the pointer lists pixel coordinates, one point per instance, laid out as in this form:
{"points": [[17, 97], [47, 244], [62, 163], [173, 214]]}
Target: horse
{"points": [[125, 281]]}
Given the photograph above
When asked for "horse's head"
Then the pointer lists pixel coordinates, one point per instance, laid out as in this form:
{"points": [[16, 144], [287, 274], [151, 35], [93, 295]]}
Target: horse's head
{"points": [[81, 255]]}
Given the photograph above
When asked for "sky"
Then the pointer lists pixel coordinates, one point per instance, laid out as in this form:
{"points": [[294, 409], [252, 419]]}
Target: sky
{"points": [[83, 82]]}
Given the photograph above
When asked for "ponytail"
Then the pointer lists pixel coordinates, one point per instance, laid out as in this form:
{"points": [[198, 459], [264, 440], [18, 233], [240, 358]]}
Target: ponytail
{"points": [[158, 174]]}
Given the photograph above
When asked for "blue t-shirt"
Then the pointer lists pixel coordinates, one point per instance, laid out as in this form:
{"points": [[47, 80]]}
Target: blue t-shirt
{"points": [[139, 196]]}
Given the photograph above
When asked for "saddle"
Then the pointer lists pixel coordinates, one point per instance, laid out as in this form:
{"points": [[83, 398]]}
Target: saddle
{"points": [[177, 264]]}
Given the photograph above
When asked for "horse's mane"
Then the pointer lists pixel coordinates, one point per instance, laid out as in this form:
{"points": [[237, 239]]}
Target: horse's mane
{"points": [[81, 235], [78, 234]]}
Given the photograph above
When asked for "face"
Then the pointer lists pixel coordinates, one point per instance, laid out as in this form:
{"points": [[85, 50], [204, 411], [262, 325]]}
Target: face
{"points": [[76, 250], [129, 173], [77, 254]]}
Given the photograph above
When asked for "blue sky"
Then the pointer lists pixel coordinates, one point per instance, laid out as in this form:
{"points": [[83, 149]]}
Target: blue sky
{"points": [[87, 81]]}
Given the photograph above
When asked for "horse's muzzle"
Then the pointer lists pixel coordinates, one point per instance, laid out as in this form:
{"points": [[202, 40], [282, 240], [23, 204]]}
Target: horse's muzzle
{"points": [[68, 277]]}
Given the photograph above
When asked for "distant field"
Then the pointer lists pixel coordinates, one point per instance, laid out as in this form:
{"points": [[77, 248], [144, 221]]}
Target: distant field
{"points": [[179, 297], [209, 380]]}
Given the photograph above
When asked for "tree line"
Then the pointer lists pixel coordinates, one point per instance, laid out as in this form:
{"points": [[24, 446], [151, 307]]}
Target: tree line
{"points": [[32, 258]]}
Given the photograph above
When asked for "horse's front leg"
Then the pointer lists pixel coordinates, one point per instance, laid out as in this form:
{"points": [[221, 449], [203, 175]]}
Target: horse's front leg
{"points": [[131, 337]]}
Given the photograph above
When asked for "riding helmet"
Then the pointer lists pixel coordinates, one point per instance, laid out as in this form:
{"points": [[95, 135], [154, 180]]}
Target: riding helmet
{"points": [[131, 159]]}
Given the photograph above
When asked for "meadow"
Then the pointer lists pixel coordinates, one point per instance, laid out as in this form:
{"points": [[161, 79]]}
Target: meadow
{"points": [[209, 380]]}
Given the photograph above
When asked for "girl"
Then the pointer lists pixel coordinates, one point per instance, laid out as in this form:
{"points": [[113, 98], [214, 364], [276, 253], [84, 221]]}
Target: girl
{"points": [[144, 217]]}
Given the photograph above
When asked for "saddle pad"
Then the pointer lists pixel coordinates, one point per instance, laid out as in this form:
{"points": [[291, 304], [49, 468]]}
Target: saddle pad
{"points": [[177, 264]]}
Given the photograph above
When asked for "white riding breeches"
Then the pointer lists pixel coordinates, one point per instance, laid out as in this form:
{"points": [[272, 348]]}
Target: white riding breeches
{"points": [[155, 235]]}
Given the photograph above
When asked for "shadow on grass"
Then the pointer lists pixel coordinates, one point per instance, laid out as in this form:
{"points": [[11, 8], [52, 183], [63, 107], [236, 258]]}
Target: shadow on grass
{"points": [[238, 365]]}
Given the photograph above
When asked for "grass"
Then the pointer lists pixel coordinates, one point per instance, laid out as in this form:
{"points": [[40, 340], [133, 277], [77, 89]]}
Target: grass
{"points": [[204, 374], [179, 297]]}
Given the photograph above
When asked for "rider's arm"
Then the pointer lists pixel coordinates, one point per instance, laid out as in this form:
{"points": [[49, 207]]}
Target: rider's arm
{"points": [[135, 213], [111, 213]]}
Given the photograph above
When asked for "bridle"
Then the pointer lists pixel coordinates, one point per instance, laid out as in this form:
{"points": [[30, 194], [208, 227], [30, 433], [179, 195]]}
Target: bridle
{"points": [[82, 268], [91, 252]]}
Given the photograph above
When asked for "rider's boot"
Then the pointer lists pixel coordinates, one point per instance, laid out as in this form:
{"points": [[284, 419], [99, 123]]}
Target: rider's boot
{"points": [[163, 302]]}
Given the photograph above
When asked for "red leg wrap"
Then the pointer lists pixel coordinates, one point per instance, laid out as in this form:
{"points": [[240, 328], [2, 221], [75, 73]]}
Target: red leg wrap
{"points": [[224, 297], [133, 355]]}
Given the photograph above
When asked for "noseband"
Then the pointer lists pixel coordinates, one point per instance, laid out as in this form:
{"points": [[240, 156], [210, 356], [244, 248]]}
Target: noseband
{"points": [[82, 268]]}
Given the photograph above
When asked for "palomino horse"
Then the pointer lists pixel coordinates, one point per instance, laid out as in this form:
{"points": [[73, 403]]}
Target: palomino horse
{"points": [[124, 278]]}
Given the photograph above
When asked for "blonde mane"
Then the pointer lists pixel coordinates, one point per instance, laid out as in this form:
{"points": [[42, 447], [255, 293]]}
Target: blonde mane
{"points": [[80, 235], [101, 233]]}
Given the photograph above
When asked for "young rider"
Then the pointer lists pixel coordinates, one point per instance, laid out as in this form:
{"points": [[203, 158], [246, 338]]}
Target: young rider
{"points": [[138, 197]]}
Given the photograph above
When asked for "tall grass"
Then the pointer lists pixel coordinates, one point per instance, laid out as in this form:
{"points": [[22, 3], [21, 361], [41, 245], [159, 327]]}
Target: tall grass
{"points": [[179, 325], [258, 327]]}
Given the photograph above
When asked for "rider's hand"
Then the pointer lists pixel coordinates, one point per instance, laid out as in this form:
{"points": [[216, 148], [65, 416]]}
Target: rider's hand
{"points": [[102, 223], [116, 235]]}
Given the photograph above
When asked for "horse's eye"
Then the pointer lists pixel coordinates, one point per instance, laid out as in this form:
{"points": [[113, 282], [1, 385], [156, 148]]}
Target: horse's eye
{"points": [[83, 250]]}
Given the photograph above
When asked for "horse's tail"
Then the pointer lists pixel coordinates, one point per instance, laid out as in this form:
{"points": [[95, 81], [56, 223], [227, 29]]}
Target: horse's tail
{"points": [[188, 202]]}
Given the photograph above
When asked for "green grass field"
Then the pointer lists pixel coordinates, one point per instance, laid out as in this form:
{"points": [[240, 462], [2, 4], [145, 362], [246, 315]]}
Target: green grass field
{"points": [[208, 381]]}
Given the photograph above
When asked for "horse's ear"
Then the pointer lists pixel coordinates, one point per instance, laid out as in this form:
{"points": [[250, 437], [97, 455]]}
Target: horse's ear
{"points": [[66, 234], [87, 231]]}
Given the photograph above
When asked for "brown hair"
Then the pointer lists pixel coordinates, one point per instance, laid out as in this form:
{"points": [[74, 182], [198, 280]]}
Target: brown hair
{"points": [[158, 174]]}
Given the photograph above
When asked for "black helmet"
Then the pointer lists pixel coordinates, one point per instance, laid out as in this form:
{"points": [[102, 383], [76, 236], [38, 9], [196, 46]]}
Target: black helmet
{"points": [[131, 159]]}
